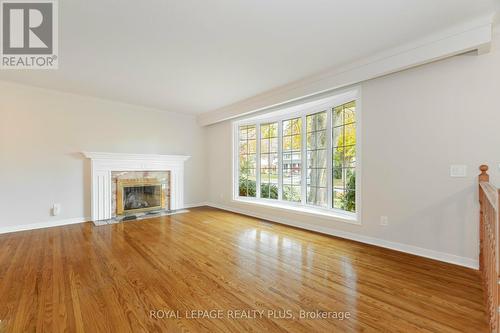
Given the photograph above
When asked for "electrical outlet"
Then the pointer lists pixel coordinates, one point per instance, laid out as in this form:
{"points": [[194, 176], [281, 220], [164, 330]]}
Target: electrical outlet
{"points": [[56, 209], [384, 220]]}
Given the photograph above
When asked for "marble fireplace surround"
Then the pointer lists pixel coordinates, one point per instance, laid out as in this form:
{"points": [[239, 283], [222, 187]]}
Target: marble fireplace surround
{"points": [[103, 164]]}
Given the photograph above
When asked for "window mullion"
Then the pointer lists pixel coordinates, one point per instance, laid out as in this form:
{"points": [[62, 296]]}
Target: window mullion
{"points": [[236, 150], [303, 154], [280, 160], [257, 162], [329, 119]]}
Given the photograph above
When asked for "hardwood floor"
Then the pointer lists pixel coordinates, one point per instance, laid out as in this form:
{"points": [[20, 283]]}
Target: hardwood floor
{"points": [[123, 277]]}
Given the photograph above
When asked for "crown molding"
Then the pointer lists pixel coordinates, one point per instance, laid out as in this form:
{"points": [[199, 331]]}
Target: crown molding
{"points": [[469, 36]]}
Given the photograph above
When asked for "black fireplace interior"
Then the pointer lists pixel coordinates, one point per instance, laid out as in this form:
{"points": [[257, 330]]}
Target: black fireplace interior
{"points": [[142, 197]]}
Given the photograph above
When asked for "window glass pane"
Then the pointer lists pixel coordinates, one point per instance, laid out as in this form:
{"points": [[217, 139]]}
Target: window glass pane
{"points": [[317, 177], [273, 145], [252, 175], [291, 193], [321, 139], [317, 155], [273, 191], [297, 126], [264, 131], [350, 113], [320, 121], [317, 159], [349, 202], [338, 116], [338, 195], [292, 159], [338, 157], [287, 127], [252, 146], [273, 162], [349, 156], [338, 180], [269, 161], [311, 140], [317, 196], [264, 146], [338, 136], [251, 161], [287, 143], [350, 134], [243, 147], [296, 179], [344, 157], [296, 142], [247, 160], [287, 175], [264, 189], [273, 130], [243, 132]]}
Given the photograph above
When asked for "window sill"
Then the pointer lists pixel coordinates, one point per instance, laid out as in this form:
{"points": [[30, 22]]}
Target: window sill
{"points": [[337, 216]]}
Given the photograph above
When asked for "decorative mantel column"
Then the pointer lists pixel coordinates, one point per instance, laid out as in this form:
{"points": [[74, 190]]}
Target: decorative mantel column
{"points": [[102, 164]]}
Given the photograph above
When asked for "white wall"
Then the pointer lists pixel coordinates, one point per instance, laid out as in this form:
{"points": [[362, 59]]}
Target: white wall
{"points": [[415, 124], [42, 133]]}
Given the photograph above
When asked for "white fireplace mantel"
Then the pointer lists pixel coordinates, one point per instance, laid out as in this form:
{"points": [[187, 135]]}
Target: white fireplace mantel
{"points": [[102, 164]]}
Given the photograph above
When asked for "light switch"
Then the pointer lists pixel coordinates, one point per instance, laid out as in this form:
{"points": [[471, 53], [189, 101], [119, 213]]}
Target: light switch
{"points": [[458, 170], [384, 220]]}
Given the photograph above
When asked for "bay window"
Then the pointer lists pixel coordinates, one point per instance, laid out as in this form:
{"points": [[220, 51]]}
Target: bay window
{"points": [[306, 157]]}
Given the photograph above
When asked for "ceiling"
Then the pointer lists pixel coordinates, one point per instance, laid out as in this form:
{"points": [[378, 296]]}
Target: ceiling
{"points": [[195, 56]]}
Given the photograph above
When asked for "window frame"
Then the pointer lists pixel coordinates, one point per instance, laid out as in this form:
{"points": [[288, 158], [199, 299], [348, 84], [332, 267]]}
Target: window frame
{"points": [[300, 110]]}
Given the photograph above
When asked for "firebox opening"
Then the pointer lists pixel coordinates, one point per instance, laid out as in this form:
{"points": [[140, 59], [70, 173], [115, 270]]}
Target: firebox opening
{"points": [[142, 197]]}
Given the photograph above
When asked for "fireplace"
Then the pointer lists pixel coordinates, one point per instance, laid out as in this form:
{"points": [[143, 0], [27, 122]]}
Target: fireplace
{"points": [[140, 195], [107, 168]]}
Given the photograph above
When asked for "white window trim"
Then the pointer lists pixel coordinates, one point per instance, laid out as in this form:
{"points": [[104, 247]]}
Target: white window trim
{"points": [[336, 98]]}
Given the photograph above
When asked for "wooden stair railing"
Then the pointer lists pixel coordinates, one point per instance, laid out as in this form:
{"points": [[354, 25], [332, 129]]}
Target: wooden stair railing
{"points": [[489, 245]]}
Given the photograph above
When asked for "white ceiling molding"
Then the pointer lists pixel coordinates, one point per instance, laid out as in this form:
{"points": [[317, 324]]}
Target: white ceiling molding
{"points": [[470, 36]]}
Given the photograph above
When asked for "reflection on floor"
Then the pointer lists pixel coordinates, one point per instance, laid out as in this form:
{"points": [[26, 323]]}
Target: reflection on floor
{"points": [[214, 271]]}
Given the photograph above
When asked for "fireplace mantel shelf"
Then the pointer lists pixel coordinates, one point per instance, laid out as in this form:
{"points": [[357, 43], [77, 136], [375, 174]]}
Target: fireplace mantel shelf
{"points": [[135, 157], [102, 164]]}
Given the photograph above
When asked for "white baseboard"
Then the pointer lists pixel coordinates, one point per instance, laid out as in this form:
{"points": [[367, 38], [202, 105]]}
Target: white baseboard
{"points": [[441, 256], [56, 223], [196, 205], [48, 224]]}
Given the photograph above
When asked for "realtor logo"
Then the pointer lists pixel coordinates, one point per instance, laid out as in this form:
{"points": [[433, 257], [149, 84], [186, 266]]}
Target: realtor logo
{"points": [[29, 34]]}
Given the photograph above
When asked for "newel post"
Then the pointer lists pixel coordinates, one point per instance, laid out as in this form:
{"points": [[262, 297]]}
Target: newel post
{"points": [[484, 177]]}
